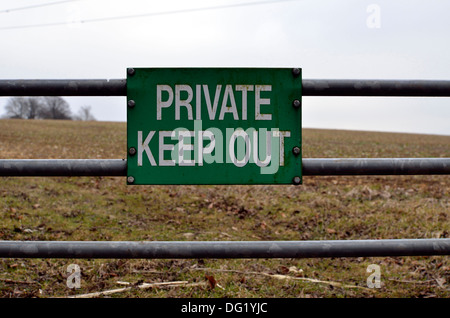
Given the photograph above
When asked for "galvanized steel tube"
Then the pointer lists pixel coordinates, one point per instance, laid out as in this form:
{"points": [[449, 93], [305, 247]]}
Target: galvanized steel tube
{"points": [[355, 87], [310, 87], [311, 167], [224, 249], [375, 166], [62, 167], [78, 87]]}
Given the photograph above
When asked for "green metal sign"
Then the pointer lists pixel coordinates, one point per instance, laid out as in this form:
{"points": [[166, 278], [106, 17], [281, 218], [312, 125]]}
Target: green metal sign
{"points": [[214, 126]]}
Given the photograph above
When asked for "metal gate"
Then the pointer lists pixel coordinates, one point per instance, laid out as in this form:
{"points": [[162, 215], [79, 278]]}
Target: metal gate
{"points": [[228, 249]]}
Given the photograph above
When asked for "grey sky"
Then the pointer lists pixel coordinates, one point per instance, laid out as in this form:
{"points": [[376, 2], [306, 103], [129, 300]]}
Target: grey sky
{"points": [[327, 39]]}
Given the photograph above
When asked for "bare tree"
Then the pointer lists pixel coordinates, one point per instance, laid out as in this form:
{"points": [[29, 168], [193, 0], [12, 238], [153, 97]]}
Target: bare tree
{"points": [[37, 107], [54, 108], [34, 107], [17, 107], [84, 113], [23, 107]]}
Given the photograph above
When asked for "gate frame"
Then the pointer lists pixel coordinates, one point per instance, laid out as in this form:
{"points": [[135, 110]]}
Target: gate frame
{"points": [[228, 249]]}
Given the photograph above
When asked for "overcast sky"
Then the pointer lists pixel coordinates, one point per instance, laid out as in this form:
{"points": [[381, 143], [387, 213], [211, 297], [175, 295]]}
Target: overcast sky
{"points": [[329, 39]]}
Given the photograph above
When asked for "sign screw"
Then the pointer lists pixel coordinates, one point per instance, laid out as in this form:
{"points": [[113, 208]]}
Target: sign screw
{"points": [[130, 179], [295, 72], [132, 151], [131, 71], [295, 151], [131, 103], [296, 180], [296, 103]]}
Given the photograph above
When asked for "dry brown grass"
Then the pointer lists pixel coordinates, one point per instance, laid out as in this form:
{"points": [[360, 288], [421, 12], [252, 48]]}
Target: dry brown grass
{"points": [[322, 208]]}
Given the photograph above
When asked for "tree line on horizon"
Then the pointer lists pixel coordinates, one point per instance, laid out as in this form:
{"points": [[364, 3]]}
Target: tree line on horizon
{"points": [[50, 107]]}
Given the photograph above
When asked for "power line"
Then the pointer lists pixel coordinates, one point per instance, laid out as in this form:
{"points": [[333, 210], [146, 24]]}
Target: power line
{"points": [[142, 15], [36, 6]]}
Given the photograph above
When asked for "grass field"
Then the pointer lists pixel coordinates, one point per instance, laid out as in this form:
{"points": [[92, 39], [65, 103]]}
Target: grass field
{"points": [[105, 208]]}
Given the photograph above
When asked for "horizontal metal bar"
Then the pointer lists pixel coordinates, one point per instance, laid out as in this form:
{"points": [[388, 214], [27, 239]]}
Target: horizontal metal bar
{"points": [[399, 88], [311, 87], [311, 167], [375, 166], [224, 249], [62, 167], [88, 87]]}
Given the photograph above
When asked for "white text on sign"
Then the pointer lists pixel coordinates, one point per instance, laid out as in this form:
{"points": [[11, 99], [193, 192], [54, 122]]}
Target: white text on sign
{"points": [[263, 146], [227, 105]]}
